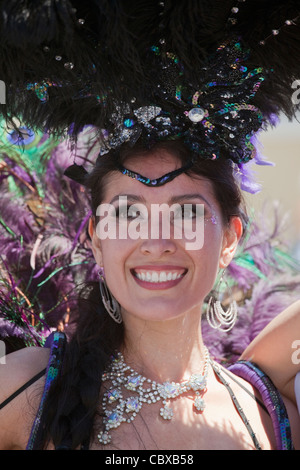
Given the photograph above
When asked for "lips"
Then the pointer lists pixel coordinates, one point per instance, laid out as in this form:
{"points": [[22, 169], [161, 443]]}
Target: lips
{"points": [[158, 276]]}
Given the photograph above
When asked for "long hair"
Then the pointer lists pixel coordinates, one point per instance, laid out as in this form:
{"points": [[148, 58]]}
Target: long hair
{"points": [[73, 402]]}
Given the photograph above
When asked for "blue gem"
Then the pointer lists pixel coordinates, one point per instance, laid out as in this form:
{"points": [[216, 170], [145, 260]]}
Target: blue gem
{"points": [[129, 123]]}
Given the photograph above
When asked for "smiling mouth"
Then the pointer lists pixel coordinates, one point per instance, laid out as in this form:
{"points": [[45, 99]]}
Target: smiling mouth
{"points": [[159, 276]]}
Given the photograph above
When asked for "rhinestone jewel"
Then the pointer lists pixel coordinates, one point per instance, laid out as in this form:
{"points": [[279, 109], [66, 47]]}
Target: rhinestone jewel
{"points": [[132, 404], [196, 114], [147, 113], [197, 382], [114, 419], [199, 404], [166, 413], [69, 65], [133, 382], [104, 437], [113, 395], [168, 390]]}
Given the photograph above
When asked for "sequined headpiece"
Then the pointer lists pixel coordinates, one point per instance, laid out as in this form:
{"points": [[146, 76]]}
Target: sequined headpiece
{"points": [[212, 116], [211, 75]]}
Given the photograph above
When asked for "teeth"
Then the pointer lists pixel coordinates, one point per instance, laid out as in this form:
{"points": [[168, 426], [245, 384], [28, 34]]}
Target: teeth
{"points": [[155, 276]]}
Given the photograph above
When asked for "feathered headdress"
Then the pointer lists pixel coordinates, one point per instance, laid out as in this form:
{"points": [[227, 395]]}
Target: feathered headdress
{"points": [[212, 73]]}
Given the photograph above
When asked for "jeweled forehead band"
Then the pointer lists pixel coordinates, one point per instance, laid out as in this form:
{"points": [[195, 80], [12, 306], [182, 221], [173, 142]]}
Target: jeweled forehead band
{"points": [[157, 181], [78, 173]]}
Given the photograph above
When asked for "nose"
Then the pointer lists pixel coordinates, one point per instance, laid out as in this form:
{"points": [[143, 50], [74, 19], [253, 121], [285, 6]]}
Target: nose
{"points": [[157, 247], [160, 237]]}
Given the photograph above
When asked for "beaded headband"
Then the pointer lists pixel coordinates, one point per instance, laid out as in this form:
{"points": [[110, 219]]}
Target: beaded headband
{"points": [[157, 181]]}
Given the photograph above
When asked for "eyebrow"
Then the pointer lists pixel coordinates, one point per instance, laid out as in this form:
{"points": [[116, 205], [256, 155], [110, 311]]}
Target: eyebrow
{"points": [[173, 199], [187, 197], [131, 197]]}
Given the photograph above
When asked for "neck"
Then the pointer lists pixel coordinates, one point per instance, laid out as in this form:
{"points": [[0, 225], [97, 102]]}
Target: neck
{"points": [[170, 350]]}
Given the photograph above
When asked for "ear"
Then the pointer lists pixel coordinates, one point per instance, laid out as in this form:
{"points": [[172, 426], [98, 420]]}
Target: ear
{"points": [[95, 241], [231, 238]]}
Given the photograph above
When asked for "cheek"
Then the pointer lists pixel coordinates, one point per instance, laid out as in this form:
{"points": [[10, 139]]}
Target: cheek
{"points": [[208, 257], [114, 256], [213, 235]]}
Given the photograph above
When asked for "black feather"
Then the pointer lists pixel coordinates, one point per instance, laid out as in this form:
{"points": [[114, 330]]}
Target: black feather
{"points": [[110, 52], [77, 173]]}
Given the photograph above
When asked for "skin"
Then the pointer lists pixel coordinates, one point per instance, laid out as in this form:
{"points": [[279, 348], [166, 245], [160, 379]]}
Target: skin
{"points": [[162, 325], [276, 350]]}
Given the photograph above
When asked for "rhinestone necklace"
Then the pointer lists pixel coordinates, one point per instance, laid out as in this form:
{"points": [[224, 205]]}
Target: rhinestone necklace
{"points": [[118, 409]]}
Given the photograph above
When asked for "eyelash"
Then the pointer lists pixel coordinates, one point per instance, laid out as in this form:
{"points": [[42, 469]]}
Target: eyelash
{"points": [[193, 209], [121, 211]]}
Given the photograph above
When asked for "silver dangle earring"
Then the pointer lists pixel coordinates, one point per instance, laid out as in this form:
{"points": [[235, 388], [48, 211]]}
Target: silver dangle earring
{"points": [[217, 317], [110, 303]]}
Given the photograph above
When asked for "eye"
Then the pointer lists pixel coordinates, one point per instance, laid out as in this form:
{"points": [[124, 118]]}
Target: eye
{"points": [[122, 212], [177, 213], [130, 212], [190, 211], [187, 212], [193, 211]]}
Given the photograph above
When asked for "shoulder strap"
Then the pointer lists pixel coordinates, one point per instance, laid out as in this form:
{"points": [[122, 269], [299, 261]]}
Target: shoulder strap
{"points": [[21, 389], [271, 398], [54, 364]]}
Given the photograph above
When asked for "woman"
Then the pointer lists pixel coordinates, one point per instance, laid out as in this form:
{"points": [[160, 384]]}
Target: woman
{"points": [[193, 79], [160, 334]]}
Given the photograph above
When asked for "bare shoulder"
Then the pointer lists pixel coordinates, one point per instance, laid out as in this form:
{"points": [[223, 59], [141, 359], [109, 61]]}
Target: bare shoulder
{"points": [[19, 367], [16, 370]]}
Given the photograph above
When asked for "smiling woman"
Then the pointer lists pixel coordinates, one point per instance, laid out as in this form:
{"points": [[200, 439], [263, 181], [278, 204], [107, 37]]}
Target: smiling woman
{"points": [[137, 363], [177, 92], [137, 374]]}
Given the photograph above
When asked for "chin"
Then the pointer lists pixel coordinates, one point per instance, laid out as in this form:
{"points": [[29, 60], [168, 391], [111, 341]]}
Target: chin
{"points": [[158, 310]]}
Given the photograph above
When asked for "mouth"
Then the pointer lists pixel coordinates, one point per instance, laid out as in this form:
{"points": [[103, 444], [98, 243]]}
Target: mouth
{"points": [[158, 277]]}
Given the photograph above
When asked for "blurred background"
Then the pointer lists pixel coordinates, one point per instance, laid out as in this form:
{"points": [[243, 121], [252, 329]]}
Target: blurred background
{"points": [[281, 182]]}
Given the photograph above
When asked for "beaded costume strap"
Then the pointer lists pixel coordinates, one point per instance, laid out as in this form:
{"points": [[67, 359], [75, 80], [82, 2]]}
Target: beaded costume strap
{"points": [[271, 398], [55, 360]]}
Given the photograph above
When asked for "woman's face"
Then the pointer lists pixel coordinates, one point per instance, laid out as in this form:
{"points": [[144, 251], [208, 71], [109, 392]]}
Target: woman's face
{"points": [[161, 275]]}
